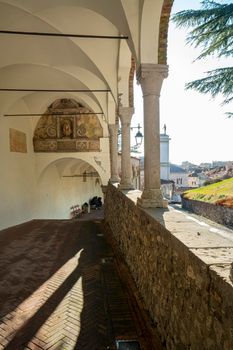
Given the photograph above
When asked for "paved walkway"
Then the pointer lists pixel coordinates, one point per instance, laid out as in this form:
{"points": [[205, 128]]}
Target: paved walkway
{"points": [[210, 242], [59, 288]]}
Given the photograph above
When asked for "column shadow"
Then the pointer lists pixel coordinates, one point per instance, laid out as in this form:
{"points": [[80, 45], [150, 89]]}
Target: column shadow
{"points": [[93, 328]]}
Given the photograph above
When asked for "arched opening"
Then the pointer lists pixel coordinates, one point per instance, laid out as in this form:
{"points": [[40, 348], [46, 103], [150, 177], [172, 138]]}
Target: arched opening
{"points": [[64, 183]]}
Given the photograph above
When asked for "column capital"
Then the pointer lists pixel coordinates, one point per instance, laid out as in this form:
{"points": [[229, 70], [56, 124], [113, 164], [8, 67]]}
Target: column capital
{"points": [[150, 76], [125, 114]]}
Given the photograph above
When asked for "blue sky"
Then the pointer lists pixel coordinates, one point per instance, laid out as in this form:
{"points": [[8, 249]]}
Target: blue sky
{"points": [[197, 124]]}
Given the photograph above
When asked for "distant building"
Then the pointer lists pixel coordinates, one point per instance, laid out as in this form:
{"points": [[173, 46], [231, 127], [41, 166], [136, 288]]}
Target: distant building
{"points": [[188, 166], [164, 156], [135, 164], [219, 163], [193, 180], [220, 173], [229, 166], [164, 160], [179, 176], [205, 165]]}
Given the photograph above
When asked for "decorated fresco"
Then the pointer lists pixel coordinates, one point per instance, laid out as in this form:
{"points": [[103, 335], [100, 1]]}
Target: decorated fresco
{"points": [[18, 141], [65, 127]]}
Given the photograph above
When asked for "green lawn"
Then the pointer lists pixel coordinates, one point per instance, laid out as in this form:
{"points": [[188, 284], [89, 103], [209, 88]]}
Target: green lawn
{"points": [[219, 193]]}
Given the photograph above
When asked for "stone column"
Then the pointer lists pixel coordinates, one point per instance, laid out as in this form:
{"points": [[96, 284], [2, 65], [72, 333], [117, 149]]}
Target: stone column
{"points": [[231, 272], [125, 114], [113, 132], [151, 77]]}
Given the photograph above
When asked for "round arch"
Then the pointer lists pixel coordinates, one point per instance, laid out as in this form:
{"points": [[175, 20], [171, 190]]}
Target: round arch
{"points": [[154, 25], [63, 183], [163, 31], [52, 159]]}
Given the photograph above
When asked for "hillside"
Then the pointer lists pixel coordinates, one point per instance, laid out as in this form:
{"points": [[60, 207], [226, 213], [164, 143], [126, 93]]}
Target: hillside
{"points": [[220, 193]]}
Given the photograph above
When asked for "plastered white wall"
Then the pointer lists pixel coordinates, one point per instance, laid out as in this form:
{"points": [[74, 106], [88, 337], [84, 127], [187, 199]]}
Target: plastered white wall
{"points": [[56, 194], [31, 186], [17, 175]]}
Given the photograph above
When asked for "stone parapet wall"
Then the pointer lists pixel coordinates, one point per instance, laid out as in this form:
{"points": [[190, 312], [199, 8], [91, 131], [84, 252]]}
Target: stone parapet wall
{"points": [[189, 301], [217, 213]]}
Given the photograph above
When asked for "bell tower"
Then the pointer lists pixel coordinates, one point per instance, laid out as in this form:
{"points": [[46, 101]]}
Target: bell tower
{"points": [[164, 155]]}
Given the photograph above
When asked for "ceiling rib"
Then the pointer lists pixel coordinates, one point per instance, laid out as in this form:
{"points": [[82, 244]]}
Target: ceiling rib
{"points": [[54, 90], [49, 114], [70, 35]]}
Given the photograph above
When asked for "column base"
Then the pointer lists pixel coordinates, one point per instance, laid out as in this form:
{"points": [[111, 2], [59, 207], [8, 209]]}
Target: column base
{"points": [[114, 179], [152, 199], [126, 186]]}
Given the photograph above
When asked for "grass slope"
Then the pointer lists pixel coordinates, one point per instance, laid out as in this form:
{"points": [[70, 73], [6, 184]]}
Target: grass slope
{"points": [[218, 193]]}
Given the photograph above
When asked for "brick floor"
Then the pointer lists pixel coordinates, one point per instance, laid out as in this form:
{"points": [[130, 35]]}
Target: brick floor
{"points": [[56, 291]]}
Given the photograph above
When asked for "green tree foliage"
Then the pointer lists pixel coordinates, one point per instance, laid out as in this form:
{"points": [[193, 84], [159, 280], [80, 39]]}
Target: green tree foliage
{"points": [[213, 33]]}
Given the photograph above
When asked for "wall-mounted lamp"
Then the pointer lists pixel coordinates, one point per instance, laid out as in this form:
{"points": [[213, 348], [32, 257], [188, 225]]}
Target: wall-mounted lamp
{"points": [[138, 137]]}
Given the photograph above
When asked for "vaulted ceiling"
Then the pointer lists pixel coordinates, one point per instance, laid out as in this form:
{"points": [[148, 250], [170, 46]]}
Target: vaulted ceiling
{"points": [[68, 63]]}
